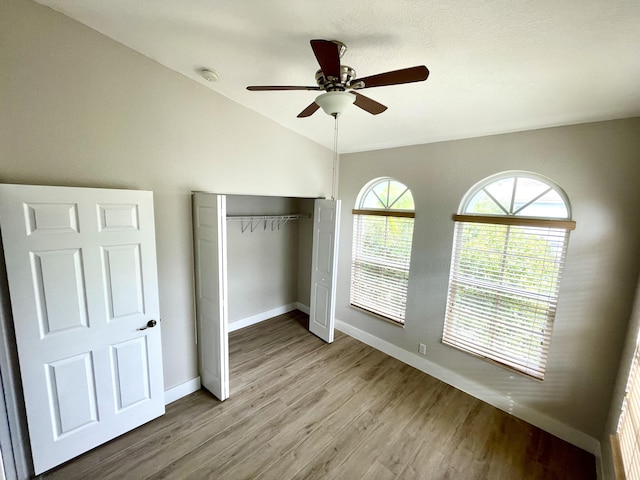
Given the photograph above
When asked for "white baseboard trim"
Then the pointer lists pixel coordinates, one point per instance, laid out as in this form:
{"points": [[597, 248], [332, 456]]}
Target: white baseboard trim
{"points": [[303, 308], [182, 390], [497, 399], [261, 317]]}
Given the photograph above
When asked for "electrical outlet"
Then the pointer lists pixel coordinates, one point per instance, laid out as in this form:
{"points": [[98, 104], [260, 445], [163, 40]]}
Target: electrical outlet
{"points": [[422, 349]]}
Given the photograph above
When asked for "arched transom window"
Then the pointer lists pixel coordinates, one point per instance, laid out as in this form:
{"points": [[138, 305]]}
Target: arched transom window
{"points": [[510, 242], [382, 235]]}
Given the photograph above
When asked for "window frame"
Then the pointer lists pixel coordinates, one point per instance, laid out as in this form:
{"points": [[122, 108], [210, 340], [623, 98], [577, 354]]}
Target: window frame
{"points": [[362, 213], [462, 315], [625, 442]]}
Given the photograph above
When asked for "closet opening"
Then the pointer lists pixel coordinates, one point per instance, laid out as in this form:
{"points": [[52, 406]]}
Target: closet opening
{"points": [[258, 257], [269, 252]]}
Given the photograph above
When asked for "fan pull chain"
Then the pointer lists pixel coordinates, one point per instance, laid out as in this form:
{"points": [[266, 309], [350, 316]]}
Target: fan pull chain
{"points": [[335, 159]]}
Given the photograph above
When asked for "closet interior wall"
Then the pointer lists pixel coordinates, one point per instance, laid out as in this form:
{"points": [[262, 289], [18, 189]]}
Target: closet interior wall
{"points": [[268, 262]]}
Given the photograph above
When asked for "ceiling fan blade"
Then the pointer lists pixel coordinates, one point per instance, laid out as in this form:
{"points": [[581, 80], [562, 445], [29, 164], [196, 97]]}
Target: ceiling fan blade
{"points": [[368, 104], [262, 88], [396, 77], [328, 55], [310, 110]]}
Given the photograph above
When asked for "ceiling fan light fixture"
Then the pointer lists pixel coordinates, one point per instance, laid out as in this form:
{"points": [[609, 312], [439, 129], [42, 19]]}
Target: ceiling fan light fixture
{"points": [[335, 103]]}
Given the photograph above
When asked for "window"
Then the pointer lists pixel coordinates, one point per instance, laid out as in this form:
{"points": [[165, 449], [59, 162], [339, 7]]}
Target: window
{"points": [[510, 242], [628, 430], [382, 234]]}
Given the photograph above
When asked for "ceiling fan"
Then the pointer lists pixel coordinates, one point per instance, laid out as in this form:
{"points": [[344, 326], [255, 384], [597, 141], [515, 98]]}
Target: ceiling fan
{"points": [[340, 82]]}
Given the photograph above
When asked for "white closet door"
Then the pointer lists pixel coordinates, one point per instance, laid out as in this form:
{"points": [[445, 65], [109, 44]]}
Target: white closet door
{"points": [[324, 268], [210, 248], [81, 265]]}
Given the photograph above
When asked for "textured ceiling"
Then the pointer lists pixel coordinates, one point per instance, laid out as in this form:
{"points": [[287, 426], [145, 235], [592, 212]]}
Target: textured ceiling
{"points": [[496, 66]]}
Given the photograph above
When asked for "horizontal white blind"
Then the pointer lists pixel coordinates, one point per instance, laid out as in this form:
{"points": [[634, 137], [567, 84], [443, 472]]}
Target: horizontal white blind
{"points": [[503, 292], [629, 424], [380, 266]]}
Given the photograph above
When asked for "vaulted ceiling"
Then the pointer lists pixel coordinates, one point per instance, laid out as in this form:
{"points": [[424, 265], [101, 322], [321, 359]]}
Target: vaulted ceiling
{"points": [[496, 66]]}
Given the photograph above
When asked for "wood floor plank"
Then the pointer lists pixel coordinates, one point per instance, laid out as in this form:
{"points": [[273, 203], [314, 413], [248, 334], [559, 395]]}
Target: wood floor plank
{"points": [[335, 420], [297, 457], [379, 472], [302, 409], [280, 357], [398, 455], [430, 459], [289, 394], [301, 419], [270, 342], [299, 422], [180, 458], [336, 412], [336, 453], [375, 394], [392, 418], [194, 404]]}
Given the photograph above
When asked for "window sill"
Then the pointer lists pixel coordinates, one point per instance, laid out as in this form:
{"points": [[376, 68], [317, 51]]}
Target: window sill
{"points": [[377, 315], [490, 360]]}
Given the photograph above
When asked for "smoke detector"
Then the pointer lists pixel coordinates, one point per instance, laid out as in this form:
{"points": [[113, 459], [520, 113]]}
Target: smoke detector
{"points": [[209, 75]]}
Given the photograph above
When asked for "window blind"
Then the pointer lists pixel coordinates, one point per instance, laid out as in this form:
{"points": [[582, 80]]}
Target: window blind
{"points": [[503, 292], [380, 264], [628, 430]]}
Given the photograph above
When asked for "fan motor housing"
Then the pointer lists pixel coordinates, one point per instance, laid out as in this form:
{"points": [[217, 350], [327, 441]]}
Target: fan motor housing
{"points": [[332, 84]]}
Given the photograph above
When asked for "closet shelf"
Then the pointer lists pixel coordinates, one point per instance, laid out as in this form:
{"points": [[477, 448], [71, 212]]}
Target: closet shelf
{"points": [[253, 222]]}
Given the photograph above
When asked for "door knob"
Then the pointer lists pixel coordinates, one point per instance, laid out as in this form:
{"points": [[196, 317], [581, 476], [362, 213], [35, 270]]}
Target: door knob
{"points": [[150, 324]]}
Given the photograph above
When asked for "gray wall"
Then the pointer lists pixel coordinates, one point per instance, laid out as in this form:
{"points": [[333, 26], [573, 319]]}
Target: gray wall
{"points": [[305, 251], [268, 269], [262, 266], [598, 165], [78, 109]]}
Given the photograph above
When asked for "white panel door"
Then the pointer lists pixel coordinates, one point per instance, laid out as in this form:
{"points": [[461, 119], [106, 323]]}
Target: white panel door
{"points": [[210, 250], [324, 268], [81, 264]]}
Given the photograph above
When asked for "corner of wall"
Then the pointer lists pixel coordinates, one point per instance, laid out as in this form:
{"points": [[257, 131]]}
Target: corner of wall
{"points": [[261, 317], [182, 390], [303, 308]]}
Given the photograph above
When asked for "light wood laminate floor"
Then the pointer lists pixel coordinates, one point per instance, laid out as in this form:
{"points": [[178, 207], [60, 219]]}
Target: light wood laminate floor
{"points": [[302, 409]]}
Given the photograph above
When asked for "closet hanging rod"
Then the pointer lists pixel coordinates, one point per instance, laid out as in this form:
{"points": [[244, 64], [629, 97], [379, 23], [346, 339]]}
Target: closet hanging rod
{"points": [[252, 222], [290, 216]]}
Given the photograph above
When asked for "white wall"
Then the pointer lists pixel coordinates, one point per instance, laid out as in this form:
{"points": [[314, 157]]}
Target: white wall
{"points": [[598, 165], [77, 108]]}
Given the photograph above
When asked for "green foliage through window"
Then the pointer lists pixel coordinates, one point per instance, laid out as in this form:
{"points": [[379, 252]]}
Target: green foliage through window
{"points": [[504, 280], [382, 250]]}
